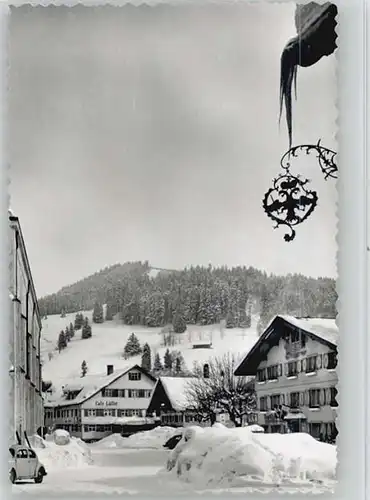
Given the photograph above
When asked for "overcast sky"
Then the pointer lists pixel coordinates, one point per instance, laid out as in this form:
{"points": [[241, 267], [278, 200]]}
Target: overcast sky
{"points": [[152, 133]]}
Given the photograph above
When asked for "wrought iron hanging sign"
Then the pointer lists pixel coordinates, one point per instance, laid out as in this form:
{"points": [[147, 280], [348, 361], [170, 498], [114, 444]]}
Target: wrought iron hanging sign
{"points": [[289, 202]]}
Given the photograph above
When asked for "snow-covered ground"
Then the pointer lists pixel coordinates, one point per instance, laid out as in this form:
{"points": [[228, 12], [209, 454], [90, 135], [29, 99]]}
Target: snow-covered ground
{"points": [[213, 460], [108, 340]]}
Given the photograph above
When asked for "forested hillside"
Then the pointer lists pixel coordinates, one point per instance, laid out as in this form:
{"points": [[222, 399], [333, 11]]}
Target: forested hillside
{"points": [[197, 295]]}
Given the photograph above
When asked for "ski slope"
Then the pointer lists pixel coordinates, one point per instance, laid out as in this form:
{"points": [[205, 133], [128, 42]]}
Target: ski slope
{"points": [[109, 338]]}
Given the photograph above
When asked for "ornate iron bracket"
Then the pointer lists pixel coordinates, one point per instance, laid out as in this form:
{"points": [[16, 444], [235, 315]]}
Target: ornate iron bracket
{"points": [[289, 202]]}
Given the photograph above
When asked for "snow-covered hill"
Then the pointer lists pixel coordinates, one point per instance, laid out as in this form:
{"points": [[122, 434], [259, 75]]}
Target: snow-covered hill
{"points": [[108, 340]]}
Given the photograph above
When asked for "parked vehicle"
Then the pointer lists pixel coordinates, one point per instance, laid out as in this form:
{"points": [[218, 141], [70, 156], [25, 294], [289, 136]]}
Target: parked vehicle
{"points": [[24, 464], [172, 442]]}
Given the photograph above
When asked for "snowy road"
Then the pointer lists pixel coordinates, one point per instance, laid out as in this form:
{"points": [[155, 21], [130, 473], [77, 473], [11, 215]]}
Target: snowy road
{"points": [[115, 471], [128, 471]]}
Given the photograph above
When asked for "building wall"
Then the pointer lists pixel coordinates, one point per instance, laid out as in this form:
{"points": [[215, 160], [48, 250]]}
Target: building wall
{"points": [[102, 408], [322, 379], [25, 331], [93, 418]]}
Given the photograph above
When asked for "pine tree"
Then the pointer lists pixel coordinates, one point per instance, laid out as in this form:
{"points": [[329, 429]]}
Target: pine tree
{"points": [[146, 358], [86, 329], [248, 318], [67, 334], [71, 330], [79, 321], [178, 365], [179, 325], [266, 311], [230, 319], [98, 313], [132, 347], [83, 368], [167, 360], [62, 342], [157, 363], [178, 362], [109, 312]]}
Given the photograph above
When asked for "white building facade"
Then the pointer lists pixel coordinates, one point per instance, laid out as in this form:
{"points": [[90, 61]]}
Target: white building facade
{"points": [[294, 362], [90, 407], [25, 334]]}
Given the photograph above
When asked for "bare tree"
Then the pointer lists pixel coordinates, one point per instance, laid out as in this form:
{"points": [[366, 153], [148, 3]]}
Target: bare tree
{"points": [[221, 391]]}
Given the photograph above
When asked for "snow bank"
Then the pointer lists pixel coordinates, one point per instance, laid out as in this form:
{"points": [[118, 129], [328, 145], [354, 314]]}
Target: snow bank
{"points": [[112, 441], [75, 454], [219, 455], [255, 428], [36, 441], [154, 438], [61, 437]]}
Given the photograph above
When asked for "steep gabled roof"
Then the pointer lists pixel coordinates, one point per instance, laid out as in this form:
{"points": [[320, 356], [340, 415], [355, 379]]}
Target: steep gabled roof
{"points": [[321, 330], [170, 391], [90, 385]]}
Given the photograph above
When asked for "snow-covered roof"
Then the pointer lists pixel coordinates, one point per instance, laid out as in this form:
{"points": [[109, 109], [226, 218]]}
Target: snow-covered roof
{"points": [[325, 329], [88, 387], [175, 388]]}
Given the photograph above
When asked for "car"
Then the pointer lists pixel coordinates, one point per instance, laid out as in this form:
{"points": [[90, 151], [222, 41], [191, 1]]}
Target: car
{"points": [[24, 464], [173, 442]]}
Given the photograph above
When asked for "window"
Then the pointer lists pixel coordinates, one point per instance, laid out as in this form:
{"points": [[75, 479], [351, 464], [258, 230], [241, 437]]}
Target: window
{"points": [[332, 360], [315, 429], [109, 413], [23, 342], [129, 413], [292, 369], [311, 364], [30, 311], [28, 355], [263, 403], [103, 428], [272, 372], [22, 285], [138, 393], [111, 393], [31, 454], [314, 398], [294, 399], [294, 337], [190, 418], [261, 375], [22, 454], [333, 395], [275, 401], [134, 376]]}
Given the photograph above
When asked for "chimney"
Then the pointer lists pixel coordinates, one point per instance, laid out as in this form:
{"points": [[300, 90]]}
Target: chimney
{"points": [[110, 369]]}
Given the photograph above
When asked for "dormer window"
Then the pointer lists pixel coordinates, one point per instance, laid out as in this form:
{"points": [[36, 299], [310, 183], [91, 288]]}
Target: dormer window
{"points": [[134, 376]]}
